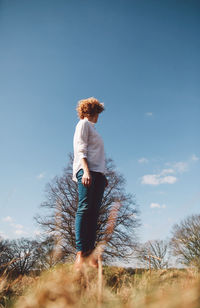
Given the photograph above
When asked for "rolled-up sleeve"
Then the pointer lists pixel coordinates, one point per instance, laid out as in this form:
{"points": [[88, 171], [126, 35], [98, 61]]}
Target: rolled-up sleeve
{"points": [[82, 140]]}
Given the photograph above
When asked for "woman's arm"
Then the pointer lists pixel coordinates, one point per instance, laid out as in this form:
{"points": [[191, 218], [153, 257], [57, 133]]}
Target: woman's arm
{"points": [[81, 146], [86, 179]]}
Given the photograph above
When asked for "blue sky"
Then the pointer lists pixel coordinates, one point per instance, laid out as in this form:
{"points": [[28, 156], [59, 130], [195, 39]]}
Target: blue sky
{"points": [[141, 58]]}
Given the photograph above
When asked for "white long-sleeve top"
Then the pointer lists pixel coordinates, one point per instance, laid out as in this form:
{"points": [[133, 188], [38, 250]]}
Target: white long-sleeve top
{"points": [[89, 144]]}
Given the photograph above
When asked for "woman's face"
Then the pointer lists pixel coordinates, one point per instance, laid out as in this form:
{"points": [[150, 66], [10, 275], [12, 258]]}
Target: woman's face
{"points": [[93, 118]]}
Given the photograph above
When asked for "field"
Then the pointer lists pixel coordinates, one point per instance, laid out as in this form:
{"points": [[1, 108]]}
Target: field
{"points": [[118, 287]]}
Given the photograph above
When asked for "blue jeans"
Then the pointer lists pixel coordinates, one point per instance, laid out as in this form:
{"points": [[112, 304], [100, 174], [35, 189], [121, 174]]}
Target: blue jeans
{"points": [[90, 199]]}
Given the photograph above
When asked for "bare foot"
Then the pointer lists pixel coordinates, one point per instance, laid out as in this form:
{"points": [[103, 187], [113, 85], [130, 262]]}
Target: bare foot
{"points": [[79, 261], [93, 260]]}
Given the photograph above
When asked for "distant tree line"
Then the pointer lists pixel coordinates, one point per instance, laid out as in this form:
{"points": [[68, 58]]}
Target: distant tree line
{"points": [[22, 256], [183, 246]]}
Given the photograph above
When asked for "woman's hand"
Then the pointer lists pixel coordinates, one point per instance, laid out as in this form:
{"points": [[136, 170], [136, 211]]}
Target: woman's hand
{"points": [[86, 179]]}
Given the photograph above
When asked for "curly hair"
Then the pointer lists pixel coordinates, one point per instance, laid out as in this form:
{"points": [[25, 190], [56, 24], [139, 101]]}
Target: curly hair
{"points": [[89, 107]]}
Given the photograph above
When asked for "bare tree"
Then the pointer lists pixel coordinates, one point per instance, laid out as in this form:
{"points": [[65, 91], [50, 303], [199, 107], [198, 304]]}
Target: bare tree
{"points": [[4, 248], [21, 256], [46, 257], [185, 242], [154, 254], [62, 201]]}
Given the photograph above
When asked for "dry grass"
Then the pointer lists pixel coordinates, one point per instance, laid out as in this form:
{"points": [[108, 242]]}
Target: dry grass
{"points": [[166, 289], [10, 289], [61, 287]]}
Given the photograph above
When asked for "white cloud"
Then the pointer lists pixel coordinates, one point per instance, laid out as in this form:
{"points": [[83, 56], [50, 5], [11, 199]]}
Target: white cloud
{"points": [[168, 179], [19, 232], [17, 229], [150, 179], [167, 171], [157, 205], [41, 175], [165, 175], [149, 114], [143, 160], [17, 226], [181, 166], [194, 157], [154, 205], [7, 219], [157, 179], [3, 235]]}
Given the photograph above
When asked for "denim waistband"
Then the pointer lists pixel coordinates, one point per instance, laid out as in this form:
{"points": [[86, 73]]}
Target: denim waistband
{"points": [[99, 173]]}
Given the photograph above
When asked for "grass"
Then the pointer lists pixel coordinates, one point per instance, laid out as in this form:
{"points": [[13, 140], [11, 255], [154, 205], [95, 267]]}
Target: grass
{"points": [[61, 287]]}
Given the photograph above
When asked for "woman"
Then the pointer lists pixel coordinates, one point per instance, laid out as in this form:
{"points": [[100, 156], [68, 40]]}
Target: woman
{"points": [[89, 173]]}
